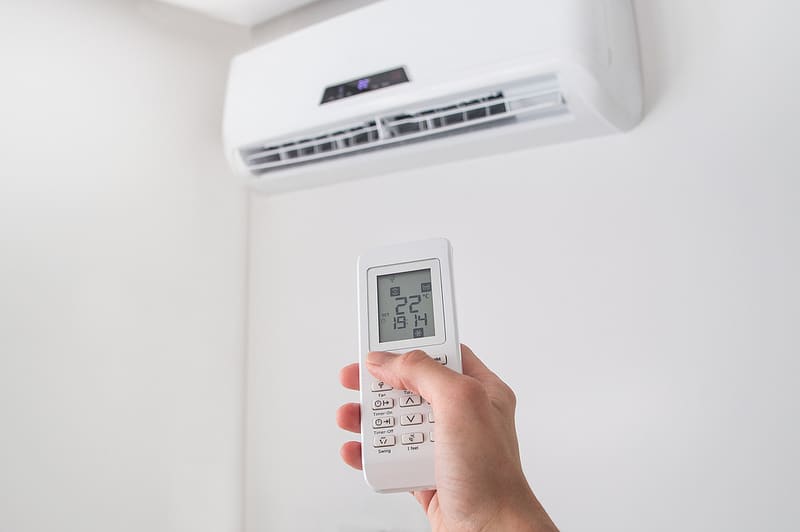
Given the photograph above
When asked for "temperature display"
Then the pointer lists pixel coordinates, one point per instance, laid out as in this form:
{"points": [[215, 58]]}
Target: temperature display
{"points": [[364, 84], [405, 306]]}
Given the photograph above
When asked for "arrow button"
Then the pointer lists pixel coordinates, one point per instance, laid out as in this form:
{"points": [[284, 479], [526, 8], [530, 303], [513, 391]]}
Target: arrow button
{"points": [[410, 400], [411, 419]]}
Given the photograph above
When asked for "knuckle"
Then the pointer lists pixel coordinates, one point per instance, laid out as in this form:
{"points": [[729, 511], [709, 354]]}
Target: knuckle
{"points": [[502, 396], [412, 359], [509, 396], [470, 391]]}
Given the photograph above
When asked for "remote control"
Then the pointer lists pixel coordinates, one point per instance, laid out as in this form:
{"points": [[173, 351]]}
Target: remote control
{"points": [[405, 302]]}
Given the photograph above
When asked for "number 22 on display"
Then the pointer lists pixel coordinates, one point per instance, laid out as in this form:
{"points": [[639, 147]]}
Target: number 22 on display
{"points": [[399, 321]]}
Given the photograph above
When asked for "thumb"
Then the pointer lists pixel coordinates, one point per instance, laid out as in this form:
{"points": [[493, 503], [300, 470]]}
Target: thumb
{"points": [[414, 371]]}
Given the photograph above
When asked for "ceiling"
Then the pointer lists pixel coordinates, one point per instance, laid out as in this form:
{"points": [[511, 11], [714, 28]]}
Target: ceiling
{"points": [[242, 12]]}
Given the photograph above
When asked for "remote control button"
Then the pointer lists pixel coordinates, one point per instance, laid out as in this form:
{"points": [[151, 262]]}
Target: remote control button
{"points": [[382, 404], [380, 387], [430, 417], [410, 400], [382, 422], [411, 419], [412, 438], [441, 359], [384, 441], [432, 436]]}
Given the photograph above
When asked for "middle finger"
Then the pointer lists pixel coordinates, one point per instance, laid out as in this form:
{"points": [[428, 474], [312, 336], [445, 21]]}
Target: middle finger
{"points": [[348, 417]]}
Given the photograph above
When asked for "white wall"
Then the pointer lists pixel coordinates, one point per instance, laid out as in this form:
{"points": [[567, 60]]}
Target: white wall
{"points": [[122, 242], [639, 292]]}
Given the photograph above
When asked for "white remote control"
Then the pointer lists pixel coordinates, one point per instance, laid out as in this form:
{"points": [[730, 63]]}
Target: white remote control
{"points": [[405, 302]]}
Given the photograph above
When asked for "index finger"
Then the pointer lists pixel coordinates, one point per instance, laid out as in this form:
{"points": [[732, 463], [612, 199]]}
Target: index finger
{"points": [[414, 371], [348, 376]]}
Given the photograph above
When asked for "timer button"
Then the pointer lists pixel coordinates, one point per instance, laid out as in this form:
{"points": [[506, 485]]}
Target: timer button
{"points": [[382, 422], [380, 387], [382, 404]]}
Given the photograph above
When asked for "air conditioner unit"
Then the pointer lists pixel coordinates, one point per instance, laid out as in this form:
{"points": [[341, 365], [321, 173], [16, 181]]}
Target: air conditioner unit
{"points": [[403, 83]]}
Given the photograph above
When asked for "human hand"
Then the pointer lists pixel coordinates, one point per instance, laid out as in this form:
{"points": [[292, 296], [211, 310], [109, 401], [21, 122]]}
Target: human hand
{"points": [[479, 480]]}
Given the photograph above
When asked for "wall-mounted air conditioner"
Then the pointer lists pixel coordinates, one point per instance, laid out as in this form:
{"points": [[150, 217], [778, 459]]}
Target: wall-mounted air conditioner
{"points": [[403, 83]]}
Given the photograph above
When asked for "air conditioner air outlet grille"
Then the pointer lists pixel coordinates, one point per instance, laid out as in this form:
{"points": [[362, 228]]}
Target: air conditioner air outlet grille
{"points": [[436, 118], [539, 99]]}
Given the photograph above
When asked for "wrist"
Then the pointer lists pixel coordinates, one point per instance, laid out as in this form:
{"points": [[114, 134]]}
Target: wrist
{"points": [[523, 515]]}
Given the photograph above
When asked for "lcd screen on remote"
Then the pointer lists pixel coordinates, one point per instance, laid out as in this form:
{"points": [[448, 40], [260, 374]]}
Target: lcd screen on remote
{"points": [[405, 306]]}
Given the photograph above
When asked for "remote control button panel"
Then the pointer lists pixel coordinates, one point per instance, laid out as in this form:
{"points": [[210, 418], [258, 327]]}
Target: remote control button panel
{"points": [[400, 418]]}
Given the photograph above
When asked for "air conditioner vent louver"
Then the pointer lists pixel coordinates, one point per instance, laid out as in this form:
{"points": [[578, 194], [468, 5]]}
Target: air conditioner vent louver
{"points": [[540, 98]]}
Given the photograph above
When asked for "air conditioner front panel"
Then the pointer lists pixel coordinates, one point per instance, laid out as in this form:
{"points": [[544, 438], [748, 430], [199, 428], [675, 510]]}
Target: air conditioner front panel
{"points": [[442, 44], [453, 52]]}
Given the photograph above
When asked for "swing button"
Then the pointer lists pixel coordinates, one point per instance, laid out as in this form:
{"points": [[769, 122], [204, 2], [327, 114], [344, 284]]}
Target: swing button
{"points": [[384, 441]]}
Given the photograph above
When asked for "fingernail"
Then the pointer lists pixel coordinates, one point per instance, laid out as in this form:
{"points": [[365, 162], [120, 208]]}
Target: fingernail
{"points": [[378, 358]]}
